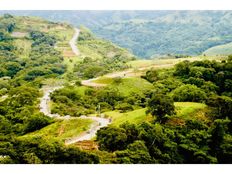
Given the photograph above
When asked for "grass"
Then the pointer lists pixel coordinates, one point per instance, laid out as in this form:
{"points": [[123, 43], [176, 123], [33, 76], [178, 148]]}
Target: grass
{"points": [[63, 129], [189, 111], [104, 80], [169, 62], [184, 111], [70, 62], [132, 85], [140, 63], [53, 82], [137, 116], [81, 90], [128, 85], [87, 51], [23, 47]]}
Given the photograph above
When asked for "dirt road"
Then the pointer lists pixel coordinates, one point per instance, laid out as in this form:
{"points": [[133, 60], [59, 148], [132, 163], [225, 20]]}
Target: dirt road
{"points": [[97, 124], [44, 105], [46, 99], [73, 42], [122, 74], [88, 135], [91, 83]]}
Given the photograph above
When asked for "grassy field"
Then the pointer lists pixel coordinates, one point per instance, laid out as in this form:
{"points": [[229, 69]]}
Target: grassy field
{"points": [[136, 116], [184, 111], [189, 111], [104, 80], [63, 129], [169, 62], [225, 49], [127, 85], [132, 85]]}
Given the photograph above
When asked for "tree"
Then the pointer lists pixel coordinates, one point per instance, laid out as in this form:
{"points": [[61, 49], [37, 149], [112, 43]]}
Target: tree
{"points": [[10, 27], [161, 106], [195, 81], [35, 149], [217, 140], [132, 132], [124, 107], [23, 95], [182, 68], [12, 68], [112, 138], [189, 93], [222, 105], [3, 72], [109, 95], [136, 153], [7, 15], [37, 122], [151, 75]]}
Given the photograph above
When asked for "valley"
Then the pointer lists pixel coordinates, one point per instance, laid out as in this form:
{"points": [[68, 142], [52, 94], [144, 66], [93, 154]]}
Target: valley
{"points": [[68, 96]]}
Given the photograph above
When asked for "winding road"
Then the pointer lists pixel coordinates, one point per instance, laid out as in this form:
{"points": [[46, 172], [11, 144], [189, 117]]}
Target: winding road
{"points": [[44, 106], [73, 42]]}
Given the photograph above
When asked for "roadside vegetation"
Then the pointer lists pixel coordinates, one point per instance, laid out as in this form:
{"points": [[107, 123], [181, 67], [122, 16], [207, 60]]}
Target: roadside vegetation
{"points": [[62, 130]]}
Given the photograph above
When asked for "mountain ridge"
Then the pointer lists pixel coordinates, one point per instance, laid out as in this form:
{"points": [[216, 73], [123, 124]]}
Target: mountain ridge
{"points": [[153, 32]]}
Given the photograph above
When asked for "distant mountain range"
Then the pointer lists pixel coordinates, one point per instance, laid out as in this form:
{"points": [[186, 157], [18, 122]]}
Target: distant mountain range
{"points": [[152, 33]]}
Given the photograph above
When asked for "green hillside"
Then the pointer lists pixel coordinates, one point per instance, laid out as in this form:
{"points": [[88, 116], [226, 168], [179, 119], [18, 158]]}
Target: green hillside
{"points": [[152, 33], [91, 46], [99, 56], [225, 49], [62, 130]]}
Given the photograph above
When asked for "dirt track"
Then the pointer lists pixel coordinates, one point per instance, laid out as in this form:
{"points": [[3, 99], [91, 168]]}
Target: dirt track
{"points": [[44, 106], [73, 42]]}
